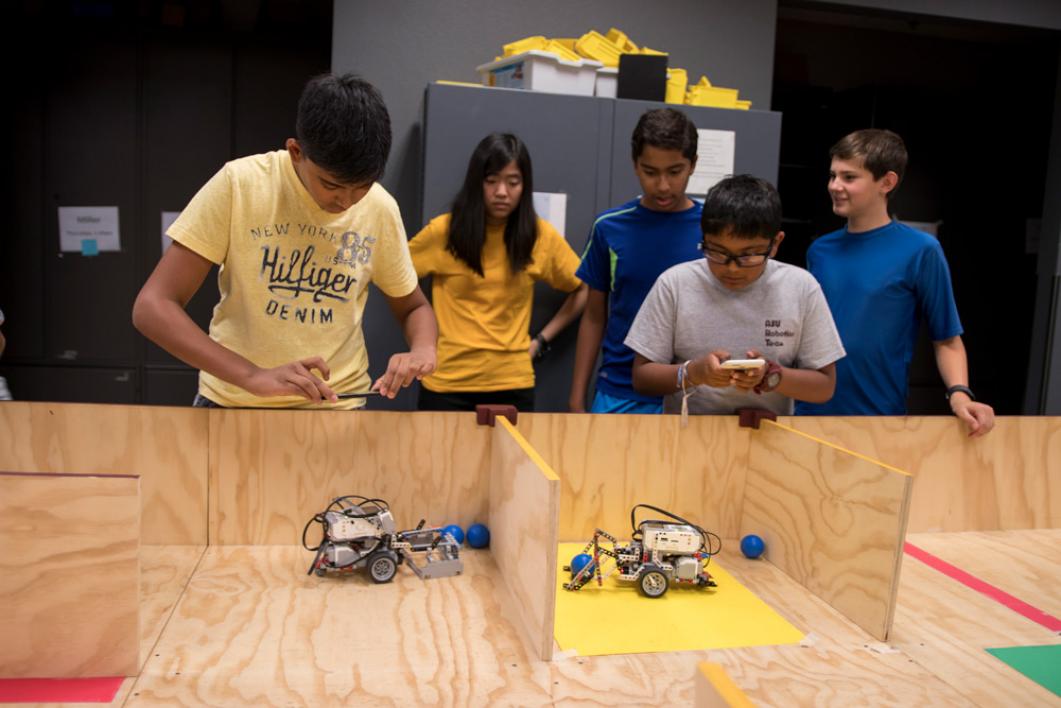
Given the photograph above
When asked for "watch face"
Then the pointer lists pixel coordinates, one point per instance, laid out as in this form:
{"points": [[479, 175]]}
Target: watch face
{"points": [[773, 379]]}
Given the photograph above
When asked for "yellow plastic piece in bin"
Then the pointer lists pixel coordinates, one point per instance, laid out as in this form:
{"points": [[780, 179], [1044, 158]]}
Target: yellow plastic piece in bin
{"points": [[541, 44], [713, 96], [702, 93], [620, 40], [594, 45], [743, 104], [447, 82], [524, 45], [568, 42], [654, 52], [558, 48], [677, 79]]}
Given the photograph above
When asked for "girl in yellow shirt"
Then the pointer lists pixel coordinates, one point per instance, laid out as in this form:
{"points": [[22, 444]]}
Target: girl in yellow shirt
{"points": [[484, 258]]}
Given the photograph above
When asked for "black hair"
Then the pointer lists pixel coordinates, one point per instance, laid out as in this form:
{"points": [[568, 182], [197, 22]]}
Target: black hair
{"points": [[667, 129], [881, 152], [343, 126], [744, 206], [467, 228]]}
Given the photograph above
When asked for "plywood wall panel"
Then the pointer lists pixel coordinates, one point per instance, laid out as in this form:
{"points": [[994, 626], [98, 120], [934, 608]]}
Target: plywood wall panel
{"points": [[271, 471], [69, 575], [166, 447], [524, 515], [832, 520]]}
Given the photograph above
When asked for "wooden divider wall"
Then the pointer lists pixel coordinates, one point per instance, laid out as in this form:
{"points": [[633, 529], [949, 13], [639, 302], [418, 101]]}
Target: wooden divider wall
{"points": [[166, 447], [833, 520], [271, 471], [1010, 479], [608, 463], [69, 575], [524, 515]]}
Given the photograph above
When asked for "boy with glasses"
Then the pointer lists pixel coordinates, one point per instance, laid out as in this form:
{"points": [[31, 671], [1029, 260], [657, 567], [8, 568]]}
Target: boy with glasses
{"points": [[736, 302], [880, 278]]}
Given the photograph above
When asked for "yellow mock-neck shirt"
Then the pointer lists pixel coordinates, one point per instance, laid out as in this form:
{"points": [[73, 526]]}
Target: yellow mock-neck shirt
{"points": [[484, 321]]}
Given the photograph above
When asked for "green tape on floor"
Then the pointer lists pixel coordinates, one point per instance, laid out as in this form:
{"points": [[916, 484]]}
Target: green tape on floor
{"points": [[1041, 664]]}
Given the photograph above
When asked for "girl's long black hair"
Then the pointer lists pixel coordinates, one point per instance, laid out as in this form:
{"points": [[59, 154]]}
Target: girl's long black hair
{"points": [[467, 229]]}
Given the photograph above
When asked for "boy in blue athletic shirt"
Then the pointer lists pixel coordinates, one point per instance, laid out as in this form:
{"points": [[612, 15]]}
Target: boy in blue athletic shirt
{"points": [[629, 247], [880, 278]]}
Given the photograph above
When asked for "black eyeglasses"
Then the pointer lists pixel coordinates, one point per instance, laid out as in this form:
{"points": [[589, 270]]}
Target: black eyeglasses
{"points": [[744, 260]]}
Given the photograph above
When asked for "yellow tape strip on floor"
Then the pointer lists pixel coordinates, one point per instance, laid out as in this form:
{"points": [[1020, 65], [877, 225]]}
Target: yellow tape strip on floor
{"points": [[617, 619]]}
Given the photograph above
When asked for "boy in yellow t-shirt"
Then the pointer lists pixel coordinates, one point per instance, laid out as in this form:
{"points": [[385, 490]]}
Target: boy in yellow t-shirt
{"points": [[299, 233], [484, 258]]}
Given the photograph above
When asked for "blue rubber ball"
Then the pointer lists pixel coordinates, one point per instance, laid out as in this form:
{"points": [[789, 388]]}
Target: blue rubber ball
{"points": [[455, 531], [579, 562], [478, 536], [752, 546]]}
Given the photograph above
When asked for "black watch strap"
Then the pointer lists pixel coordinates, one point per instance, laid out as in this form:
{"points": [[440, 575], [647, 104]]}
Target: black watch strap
{"points": [[543, 344], [960, 389]]}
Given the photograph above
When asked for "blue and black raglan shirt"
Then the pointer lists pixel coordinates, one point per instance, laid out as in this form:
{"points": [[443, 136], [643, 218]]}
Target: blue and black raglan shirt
{"points": [[880, 285], [629, 247]]}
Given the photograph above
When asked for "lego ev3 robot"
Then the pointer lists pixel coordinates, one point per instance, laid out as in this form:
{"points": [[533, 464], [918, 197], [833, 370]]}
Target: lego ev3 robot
{"points": [[661, 553], [359, 532]]}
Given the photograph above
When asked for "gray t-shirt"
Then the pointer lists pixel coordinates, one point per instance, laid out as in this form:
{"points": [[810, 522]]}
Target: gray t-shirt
{"points": [[689, 314]]}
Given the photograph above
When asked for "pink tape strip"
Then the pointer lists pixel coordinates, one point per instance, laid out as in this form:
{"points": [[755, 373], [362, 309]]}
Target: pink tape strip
{"points": [[1001, 596], [77, 690]]}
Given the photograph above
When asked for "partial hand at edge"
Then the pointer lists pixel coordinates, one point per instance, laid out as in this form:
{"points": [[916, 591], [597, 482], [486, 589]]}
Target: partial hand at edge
{"points": [[979, 418], [293, 379], [708, 371], [403, 368]]}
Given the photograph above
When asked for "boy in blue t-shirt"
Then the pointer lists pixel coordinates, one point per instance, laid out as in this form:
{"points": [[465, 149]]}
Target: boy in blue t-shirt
{"points": [[880, 278], [629, 247]]}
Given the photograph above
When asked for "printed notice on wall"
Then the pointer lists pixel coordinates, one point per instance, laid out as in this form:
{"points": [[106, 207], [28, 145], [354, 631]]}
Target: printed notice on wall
{"points": [[552, 206], [929, 227], [714, 159], [168, 217], [89, 230]]}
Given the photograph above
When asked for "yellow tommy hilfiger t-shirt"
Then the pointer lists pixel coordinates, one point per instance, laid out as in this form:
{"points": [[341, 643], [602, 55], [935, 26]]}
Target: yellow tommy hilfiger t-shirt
{"points": [[484, 322], [294, 278]]}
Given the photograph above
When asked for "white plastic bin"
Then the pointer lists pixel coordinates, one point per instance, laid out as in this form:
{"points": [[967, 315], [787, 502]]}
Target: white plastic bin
{"points": [[607, 82], [541, 71]]}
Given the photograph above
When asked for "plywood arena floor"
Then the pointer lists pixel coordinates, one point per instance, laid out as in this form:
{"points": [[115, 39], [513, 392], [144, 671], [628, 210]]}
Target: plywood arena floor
{"points": [[245, 625]]}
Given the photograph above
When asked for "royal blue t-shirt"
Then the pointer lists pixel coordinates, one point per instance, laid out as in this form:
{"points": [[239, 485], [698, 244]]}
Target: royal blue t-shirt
{"points": [[629, 247], [880, 284]]}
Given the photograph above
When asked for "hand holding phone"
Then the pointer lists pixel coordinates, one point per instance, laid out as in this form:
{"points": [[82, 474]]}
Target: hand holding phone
{"points": [[743, 364]]}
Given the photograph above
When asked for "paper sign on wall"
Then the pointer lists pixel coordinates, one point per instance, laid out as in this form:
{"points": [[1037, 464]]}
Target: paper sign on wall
{"points": [[89, 230], [552, 206], [929, 227], [168, 217], [714, 159]]}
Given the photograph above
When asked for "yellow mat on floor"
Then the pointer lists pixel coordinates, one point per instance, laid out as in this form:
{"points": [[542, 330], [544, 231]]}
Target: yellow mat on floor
{"points": [[617, 619]]}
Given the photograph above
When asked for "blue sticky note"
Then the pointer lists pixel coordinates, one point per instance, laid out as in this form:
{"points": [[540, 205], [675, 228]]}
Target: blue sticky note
{"points": [[89, 247]]}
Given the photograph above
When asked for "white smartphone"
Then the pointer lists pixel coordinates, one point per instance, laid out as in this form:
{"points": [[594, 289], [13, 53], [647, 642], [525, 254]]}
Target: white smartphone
{"points": [[743, 364]]}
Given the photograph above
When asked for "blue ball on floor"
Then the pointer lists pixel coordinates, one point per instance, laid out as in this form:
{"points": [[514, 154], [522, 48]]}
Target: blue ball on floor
{"points": [[752, 546], [579, 562], [478, 536], [455, 531]]}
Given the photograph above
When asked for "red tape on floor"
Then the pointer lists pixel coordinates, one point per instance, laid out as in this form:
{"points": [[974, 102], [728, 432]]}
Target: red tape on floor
{"points": [[76, 690], [1001, 596]]}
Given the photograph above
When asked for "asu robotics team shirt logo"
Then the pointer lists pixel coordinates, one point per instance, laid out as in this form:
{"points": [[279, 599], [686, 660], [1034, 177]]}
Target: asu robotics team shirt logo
{"points": [[776, 335], [302, 280]]}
